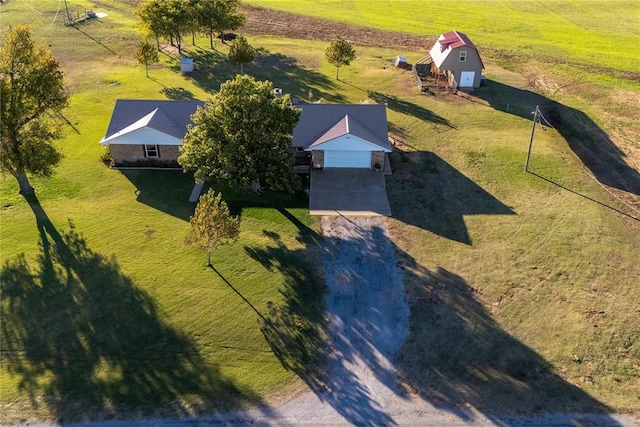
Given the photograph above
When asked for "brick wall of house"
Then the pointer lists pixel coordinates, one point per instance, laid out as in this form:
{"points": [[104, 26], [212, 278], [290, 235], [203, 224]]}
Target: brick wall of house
{"points": [[121, 153], [377, 157]]}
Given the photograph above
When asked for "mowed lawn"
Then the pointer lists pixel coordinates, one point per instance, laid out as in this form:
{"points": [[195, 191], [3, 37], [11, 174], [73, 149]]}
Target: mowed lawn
{"points": [[113, 315], [520, 284]]}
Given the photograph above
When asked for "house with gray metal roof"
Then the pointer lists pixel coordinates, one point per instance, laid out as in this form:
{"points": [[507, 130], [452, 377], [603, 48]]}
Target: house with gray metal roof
{"points": [[147, 132]]}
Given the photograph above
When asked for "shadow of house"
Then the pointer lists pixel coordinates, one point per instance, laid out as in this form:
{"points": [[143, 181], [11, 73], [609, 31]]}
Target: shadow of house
{"points": [[165, 190], [212, 68], [458, 356], [85, 341], [427, 192], [590, 143]]}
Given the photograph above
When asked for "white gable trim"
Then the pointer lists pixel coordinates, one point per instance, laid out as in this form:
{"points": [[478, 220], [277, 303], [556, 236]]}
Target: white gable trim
{"points": [[142, 136], [347, 142]]}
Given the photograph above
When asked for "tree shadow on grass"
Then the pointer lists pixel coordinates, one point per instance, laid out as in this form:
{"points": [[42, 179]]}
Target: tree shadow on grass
{"points": [[457, 356], [178, 93], [87, 343], [590, 143], [165, 190], [427, 192], [294, 327], [212, 68]]}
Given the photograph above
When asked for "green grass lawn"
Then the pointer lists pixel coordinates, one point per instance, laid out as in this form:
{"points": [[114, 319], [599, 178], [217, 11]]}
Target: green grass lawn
{"points": [[105, 311]]}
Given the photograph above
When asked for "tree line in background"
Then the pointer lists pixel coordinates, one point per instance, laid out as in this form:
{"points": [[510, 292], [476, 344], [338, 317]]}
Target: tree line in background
{"points": [[172, 20]]}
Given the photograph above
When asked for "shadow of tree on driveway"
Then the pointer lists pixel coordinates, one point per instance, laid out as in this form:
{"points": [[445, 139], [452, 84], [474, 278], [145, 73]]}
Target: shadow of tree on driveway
{"points": [[86, 342], [456, 358]]}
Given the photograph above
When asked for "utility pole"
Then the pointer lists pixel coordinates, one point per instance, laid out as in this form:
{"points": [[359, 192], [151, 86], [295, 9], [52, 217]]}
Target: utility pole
{"points": [[536, 118], [67, 9]]}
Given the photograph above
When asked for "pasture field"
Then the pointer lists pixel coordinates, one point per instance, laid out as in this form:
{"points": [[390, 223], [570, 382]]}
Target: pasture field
{"points": [[521, 284], [594, 32]]}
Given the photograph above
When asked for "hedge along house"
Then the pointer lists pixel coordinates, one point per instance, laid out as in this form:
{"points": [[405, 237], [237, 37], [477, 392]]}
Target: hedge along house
{"points": [[342, 135], [455, 57], [148, 132]]}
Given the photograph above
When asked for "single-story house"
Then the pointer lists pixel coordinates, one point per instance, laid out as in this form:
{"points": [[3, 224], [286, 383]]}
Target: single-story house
{"points": [[148, 131], [343, 135], [455, 56], [326, 136]]}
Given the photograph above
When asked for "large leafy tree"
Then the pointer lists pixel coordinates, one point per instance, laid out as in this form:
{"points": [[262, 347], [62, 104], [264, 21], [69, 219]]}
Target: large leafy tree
{"points": [[31, 89], [212, 224], [243, 136], [153, 16], [218, 16], [241, 52], [339, 53], [171, 19]]}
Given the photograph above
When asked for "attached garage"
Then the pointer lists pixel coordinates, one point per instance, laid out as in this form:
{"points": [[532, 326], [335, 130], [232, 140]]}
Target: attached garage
{"points": [[347, 159], [347, 136]]}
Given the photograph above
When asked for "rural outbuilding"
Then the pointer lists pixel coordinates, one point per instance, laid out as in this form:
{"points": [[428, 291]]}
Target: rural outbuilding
{"points": [[456, 58], [148, 132], [343, 135]]}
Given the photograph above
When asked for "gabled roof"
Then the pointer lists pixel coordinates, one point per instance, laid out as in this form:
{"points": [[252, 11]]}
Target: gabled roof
{"points": [[169, 117], [347, 126], [455, 39], [446, 43], [320, 123]]}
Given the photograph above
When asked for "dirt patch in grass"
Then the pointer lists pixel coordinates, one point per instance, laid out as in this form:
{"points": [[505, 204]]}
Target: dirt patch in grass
{"points": [[262, 21]]}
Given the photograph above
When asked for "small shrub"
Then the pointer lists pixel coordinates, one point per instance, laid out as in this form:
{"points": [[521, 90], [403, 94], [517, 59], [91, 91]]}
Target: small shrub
{"points": [[106, 158]]}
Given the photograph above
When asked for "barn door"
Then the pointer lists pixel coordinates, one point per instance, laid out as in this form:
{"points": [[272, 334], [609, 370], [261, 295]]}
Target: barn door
{"points": [[466, 78]]}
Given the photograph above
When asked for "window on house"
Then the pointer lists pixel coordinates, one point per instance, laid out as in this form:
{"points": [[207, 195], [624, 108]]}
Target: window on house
{"points": [[463, 56], [151, 151]]}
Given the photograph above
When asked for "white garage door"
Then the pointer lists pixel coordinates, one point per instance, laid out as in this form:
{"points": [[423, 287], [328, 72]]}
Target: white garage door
{"points": [[347, 159], [466, 78]]}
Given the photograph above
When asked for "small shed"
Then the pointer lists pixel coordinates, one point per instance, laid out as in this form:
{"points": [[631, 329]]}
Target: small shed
{"points": [[455, 56], [186, 65]]}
